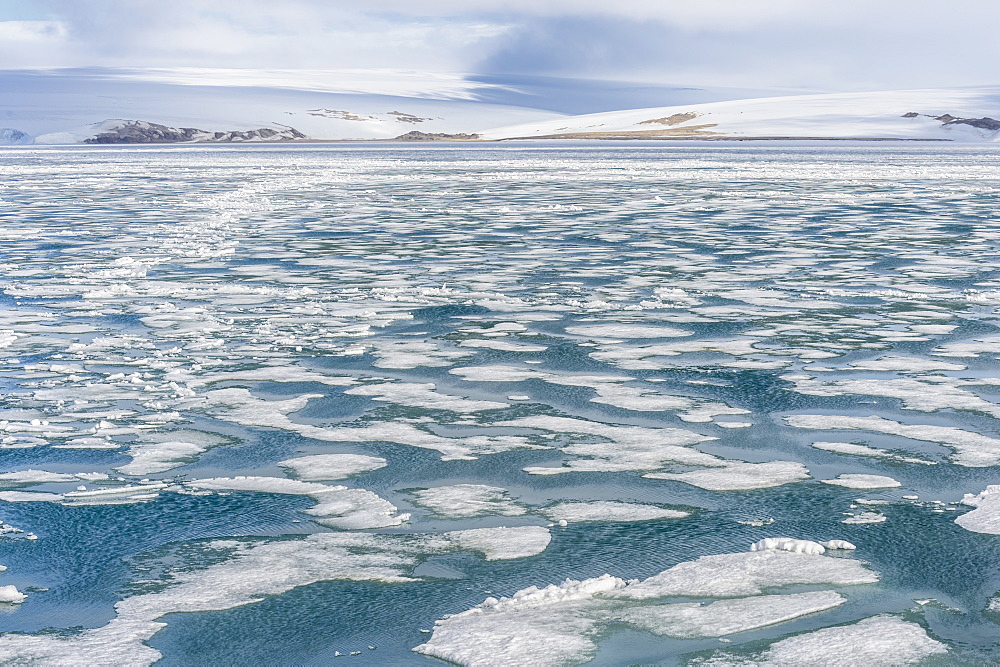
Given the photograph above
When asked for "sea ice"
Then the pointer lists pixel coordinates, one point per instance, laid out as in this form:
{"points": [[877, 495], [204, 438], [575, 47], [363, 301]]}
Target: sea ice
{"points": [[788, 544], [422, 396], [609, 510], [858, 481], [726, 617], [986, 517], [326, 467], [877, 641], [468, 500], [337, 506], [739, 476], [971, 449]]}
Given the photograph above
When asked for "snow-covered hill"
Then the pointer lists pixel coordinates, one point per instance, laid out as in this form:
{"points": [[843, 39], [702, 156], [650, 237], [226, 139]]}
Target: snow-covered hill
{"points": [[956, 114], [71, 106]]}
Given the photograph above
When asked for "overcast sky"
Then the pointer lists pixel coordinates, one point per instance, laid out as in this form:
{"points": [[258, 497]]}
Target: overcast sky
{"points": [[796, 44]]}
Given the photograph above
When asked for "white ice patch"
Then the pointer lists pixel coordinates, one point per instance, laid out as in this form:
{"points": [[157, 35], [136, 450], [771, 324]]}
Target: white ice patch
{"points": [[971, 449], [609, 510], [253, 571], [859, 481], [558, 624], [337, 506], [326, 467], [726, 617], [422, 396], [876, 641], [626, 330], [864, 450], [468, 500], [10, 595], [928, 394], [788, 544], [629, 447], [148, 458], [906, 364], [986, 517], [502, 345], [865, 518], [739, 476], [414, 354], [749, 573]]}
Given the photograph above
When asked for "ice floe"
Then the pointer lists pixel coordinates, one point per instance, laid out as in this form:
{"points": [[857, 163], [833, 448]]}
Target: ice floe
{"points": [[726, 617], [337, 506], [422, 396], [985, 518], [971, 449], [462, 501], [859, 481], [252, 570], [326, 467], [855, 449], [879, 640], [788, 544], [739, 476], [609, 510], [559, 623]]}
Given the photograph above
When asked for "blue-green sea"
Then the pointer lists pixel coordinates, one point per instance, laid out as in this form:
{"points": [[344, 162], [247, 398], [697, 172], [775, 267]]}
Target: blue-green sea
{"points": [[270, 405]]}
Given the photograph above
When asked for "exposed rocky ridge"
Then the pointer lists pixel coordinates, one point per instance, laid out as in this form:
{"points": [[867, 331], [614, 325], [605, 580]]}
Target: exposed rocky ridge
{"points": [[984, 123], [436, 136], [144, 132]]}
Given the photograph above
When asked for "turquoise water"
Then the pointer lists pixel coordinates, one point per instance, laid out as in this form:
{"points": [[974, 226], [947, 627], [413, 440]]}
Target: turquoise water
{"points": [[137, 282]]}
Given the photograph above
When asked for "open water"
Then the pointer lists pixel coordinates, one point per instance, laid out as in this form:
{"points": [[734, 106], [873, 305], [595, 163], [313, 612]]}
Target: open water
{"points": [[524, 325]]}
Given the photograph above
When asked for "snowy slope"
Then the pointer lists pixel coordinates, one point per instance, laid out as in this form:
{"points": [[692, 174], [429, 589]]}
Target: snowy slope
{"points": [[851, 115], [70, 106]]}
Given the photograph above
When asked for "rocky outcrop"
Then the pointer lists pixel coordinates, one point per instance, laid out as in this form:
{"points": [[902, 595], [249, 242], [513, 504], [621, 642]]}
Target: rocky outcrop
{"points": [[436, 136], [9, 136], [143, 132], [984, 123]]}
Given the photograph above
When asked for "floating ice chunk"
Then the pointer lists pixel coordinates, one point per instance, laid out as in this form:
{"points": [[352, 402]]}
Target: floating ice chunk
{"points": [[986, 517], [739, 476], [879, 640], [626, 330], [865, 518], [971, 449], [276, 373], [726, 617], [859, 481], [788, 544], [252, 571], [557, 624], [609, 510], [969, 348], [413, 354], [468, 500], [839, 544], [906, 364], [148, 458], [422, 396], [10, 594], [927, 394], [29, 497], [749, 573], [502, 345], [864, 450], [497, 373], [464, 448], [337, 506], [29, 477], [502, 543], [545, 626], [734, 424], [630, 447], [324, 467]]}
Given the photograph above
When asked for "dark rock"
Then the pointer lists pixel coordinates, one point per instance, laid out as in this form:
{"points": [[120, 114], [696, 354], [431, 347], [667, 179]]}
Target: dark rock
{"points": [[435, 136], [143, 132], [984, 123]]}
